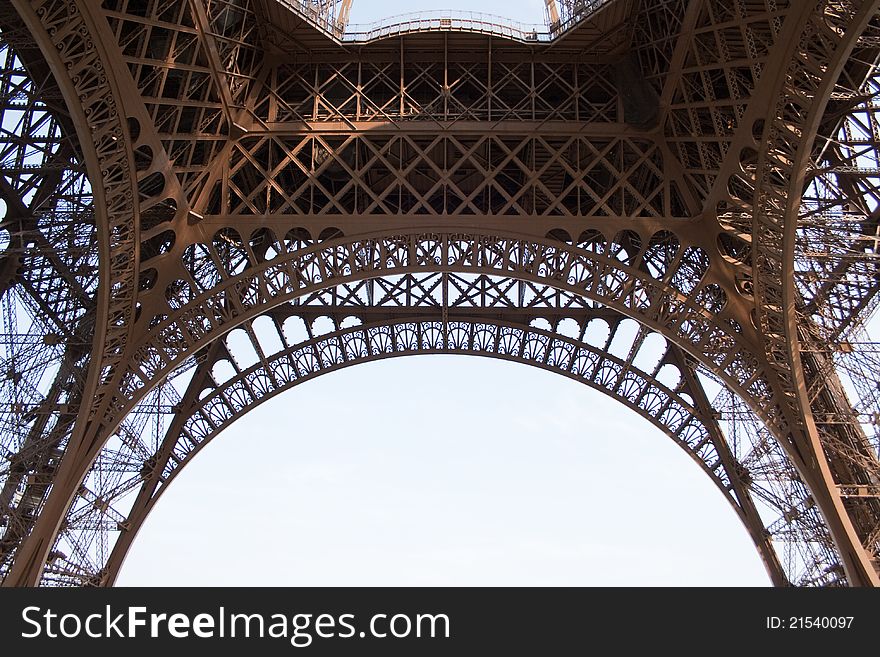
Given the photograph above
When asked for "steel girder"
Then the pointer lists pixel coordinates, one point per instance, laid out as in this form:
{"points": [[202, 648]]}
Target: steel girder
{"points": [[704, 170]]}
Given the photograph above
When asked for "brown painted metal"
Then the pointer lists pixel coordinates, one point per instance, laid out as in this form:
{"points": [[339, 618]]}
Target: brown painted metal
{"points": [[643, 197]]}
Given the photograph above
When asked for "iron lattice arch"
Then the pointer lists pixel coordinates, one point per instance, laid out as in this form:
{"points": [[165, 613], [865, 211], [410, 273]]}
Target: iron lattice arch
{"points": [[207, 202]]}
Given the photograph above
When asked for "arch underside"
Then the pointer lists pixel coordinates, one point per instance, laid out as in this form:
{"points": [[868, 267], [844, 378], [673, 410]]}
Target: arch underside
{"points": [[221, 390], [509, 221], [221, 386]]}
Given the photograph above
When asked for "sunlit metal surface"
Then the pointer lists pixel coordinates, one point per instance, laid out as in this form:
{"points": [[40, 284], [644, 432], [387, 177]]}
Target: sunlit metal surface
{"points": [[207, 202]]}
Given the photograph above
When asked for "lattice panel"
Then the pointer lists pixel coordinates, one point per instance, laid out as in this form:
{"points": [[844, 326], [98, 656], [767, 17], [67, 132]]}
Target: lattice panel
{"points": [[447, 175]]}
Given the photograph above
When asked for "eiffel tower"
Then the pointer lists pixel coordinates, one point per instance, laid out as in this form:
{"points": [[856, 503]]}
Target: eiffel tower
{"points": [[188, 185]]}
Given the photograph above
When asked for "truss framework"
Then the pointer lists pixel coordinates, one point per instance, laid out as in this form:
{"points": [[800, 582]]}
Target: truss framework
{"points": [[210, 201]]}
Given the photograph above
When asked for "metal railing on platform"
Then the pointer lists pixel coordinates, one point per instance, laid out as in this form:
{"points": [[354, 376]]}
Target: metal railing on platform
{"points": [[440, 21], [458, 21]]}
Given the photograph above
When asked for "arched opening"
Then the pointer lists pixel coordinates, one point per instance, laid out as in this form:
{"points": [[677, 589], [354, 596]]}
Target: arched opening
{"points": [[441, 470], [679, 420]]}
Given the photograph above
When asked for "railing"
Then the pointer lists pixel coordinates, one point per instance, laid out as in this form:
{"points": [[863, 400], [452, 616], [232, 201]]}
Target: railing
{"points": [[440, 21], [451, 21], [571, 15], [322, 19]]}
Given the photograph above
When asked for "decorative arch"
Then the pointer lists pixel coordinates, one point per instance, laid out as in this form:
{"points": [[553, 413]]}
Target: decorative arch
{"points": [[599, 273], [215, 401], [689, 308]]}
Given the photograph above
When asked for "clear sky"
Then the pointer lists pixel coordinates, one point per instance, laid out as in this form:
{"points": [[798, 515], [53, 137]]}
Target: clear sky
{"points": [[523, 11], [443, 470]]}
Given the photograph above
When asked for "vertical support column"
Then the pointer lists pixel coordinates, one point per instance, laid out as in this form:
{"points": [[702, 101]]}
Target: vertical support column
{"points": [[747, 511]]}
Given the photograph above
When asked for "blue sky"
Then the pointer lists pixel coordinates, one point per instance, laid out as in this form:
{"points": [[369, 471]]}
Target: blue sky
{"points": [[443, 470]]}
